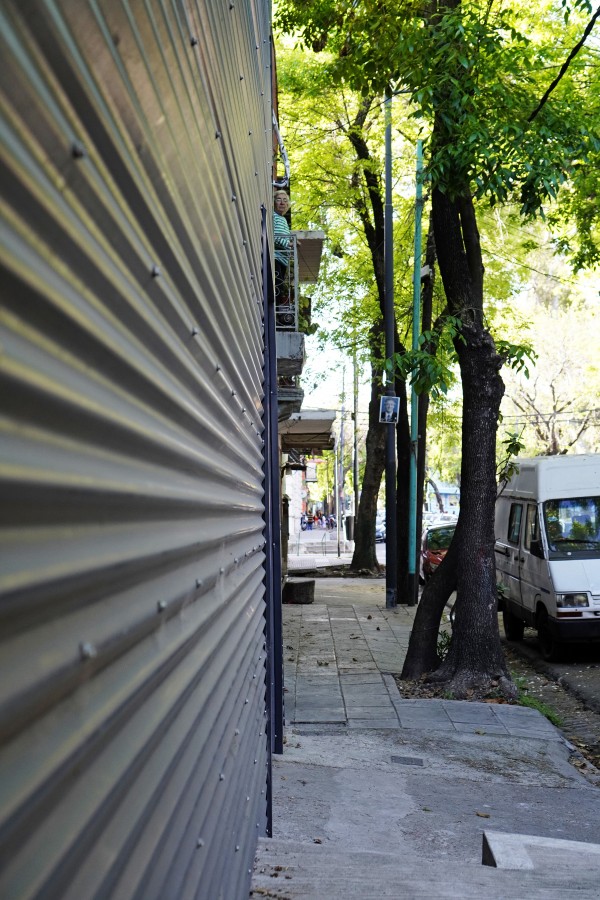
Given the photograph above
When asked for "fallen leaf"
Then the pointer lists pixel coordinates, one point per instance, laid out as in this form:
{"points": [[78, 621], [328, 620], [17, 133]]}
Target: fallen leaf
{"points": [[483, 815], [317, 841]]}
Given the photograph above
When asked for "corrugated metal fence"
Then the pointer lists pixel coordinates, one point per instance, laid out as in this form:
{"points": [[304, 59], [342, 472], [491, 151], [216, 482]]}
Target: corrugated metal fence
{"points": [[135, 159]]}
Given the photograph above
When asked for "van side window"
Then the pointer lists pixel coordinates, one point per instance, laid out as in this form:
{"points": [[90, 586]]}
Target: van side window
{"points": [[532, 529], [514, 522]]}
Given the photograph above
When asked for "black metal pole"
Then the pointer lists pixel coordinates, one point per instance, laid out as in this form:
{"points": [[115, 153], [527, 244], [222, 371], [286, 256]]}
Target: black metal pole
{"points": [[391, 540], [272, 513]]}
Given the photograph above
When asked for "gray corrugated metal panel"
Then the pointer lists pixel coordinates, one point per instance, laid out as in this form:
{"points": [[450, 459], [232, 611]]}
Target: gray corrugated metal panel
{"points": [[112, 224], [134, 734], [132, 391]]}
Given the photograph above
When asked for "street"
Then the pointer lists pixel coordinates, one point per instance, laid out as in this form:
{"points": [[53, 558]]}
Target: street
{"points": [[570, 688]]}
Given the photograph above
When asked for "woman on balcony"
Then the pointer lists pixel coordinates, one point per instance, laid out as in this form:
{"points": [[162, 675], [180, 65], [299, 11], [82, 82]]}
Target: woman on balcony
{"points": [[281, 235]]}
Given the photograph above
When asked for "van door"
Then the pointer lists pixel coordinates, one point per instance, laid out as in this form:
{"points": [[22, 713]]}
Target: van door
{"points": [[508, 553], [533, 567]]}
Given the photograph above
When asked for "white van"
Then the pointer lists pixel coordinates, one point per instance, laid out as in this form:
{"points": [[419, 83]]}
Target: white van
{"points": [[548, 550]]}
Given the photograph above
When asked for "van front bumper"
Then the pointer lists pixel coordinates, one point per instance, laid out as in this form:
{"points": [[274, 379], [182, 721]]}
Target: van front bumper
{"points": [[586, 628]]}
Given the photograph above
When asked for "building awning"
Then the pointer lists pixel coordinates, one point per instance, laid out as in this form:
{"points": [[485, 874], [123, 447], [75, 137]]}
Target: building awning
{"points": [[310, 248], [308, 430]]}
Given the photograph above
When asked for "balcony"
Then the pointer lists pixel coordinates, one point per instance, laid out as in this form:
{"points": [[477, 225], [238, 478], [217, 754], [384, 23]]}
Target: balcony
{"points": [[292, 317]]}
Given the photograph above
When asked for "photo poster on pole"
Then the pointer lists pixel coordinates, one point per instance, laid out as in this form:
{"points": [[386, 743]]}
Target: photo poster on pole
{"points": [[388, 408], [311, 471]]}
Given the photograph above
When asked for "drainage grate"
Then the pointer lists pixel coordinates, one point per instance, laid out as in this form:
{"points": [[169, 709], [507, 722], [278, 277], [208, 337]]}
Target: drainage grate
{"points": [[407, 760]]}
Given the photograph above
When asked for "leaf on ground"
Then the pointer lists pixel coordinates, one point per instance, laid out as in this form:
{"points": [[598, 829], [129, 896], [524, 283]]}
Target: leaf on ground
{"points": [[483, 815]]}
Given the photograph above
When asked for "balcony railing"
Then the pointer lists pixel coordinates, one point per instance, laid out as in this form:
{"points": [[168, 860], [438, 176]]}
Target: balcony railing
{"points": [[286, 293]]}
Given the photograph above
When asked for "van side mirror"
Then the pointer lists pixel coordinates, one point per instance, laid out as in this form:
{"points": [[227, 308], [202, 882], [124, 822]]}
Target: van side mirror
{"points": [[536, 549]]}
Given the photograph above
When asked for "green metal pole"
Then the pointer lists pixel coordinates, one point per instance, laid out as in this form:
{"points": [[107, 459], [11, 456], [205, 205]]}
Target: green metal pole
{"points": [[391, 472], [414, 401]]}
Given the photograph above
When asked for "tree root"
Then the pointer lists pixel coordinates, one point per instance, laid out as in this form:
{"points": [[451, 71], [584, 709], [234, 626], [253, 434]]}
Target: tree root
{"points": [[472, 685]]}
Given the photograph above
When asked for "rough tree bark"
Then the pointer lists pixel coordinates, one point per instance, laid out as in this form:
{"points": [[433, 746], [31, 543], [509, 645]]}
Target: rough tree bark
{"points": [[475, 661], [364, 557]]}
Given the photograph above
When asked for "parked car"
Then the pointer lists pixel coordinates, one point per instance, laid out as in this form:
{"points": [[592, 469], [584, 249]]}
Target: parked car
{"points": [[380, 531], [434, 546]]}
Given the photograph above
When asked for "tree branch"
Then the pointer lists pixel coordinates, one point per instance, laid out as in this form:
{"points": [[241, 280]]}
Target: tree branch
{"points": [[565, 65]]}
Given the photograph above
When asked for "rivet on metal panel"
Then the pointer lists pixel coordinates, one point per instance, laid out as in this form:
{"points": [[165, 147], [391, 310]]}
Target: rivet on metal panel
{"points": [[263, 790], [78, 150], [195, 331], [254, 676], [231, 5], [217, 134], [262, 93], [249, 133], [218, 369], [241, 77], [247, 799], [233, 198], [162, 605], [243, 409], [199, 583], [237, 847], [199, 843], [244, 243], [221, 777], [193, 41], [221, 570], [237, 731], [233, 393], [255, 762], [246, 701], [87, 650], [236, 560], [155, 271]]}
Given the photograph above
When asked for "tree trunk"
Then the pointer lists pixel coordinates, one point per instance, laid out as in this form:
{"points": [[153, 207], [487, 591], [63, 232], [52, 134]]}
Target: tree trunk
{"points": [[421, 656], [365, 557], [475, 662]]}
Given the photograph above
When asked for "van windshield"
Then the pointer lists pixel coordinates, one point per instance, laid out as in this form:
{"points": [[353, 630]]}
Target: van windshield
{"points": [[573, 527]]}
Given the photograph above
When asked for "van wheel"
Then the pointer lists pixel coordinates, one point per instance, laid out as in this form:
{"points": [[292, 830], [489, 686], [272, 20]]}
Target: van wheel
{"points": [[549, 647], [513, 627]]}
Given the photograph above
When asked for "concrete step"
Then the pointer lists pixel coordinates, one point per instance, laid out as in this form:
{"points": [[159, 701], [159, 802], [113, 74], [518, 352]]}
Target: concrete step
{"points": [[290, 870]]}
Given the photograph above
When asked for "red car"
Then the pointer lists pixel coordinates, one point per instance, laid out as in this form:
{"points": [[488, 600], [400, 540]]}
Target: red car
{"points": [[434, 546]]}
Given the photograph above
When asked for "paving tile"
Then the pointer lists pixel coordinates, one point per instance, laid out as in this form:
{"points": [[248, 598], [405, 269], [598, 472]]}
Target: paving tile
{"points": [[470, 712], [370, 712], [482, 728], [373, 723]]}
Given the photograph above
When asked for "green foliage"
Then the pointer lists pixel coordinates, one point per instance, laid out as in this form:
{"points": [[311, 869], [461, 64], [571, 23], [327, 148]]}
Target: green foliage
{"points": [[429, 367], [508, 466], [443, 644], [525, 699], [516, 356], [478, 72]]}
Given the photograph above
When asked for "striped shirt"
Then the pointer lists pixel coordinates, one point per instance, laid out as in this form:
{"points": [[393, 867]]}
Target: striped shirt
{"points": [[281, 235]]}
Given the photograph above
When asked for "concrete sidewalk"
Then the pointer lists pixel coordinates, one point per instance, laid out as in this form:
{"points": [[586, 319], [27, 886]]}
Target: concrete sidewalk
{"points": [[376, 796]]}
